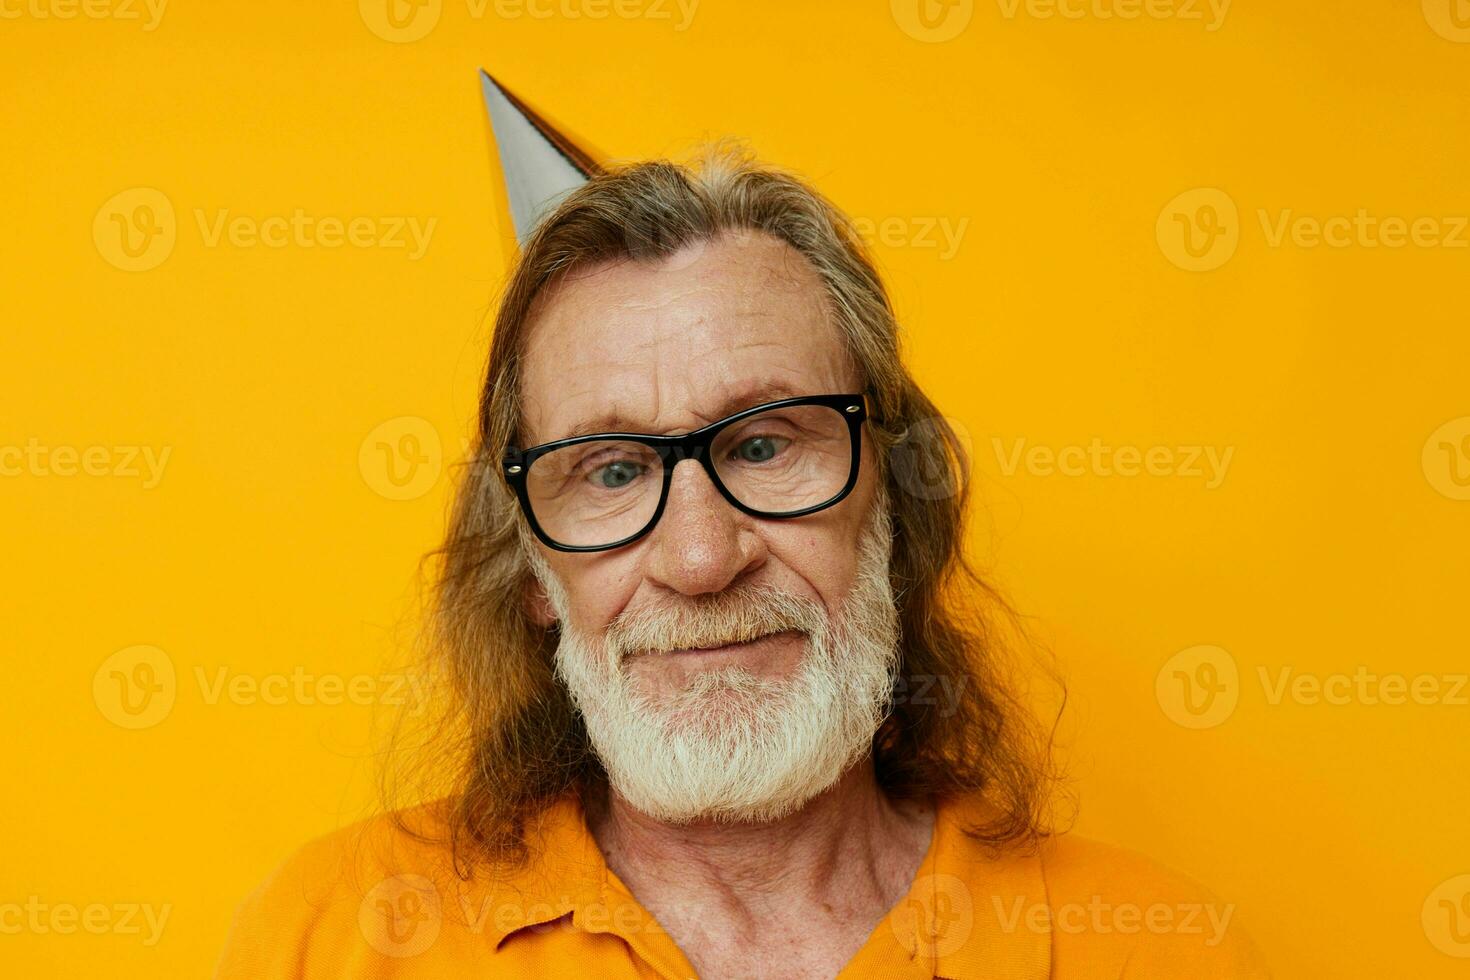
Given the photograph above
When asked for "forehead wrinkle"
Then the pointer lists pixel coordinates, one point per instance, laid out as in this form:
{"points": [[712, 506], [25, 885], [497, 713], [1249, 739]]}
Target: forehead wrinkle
{"points": [[783, 286], [721, 392], [733, 397]]}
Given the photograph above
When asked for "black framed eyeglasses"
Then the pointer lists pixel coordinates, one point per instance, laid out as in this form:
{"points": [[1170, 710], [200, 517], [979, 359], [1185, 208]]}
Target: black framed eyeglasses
{"points": [[782, 459]]}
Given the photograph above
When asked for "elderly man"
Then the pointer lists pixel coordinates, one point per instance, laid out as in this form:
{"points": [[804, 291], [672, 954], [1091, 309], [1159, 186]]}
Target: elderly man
{"points": [[723, 698]]}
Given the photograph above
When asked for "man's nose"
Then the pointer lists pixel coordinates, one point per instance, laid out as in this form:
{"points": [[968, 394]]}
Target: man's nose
{"points": [[701, 543]]}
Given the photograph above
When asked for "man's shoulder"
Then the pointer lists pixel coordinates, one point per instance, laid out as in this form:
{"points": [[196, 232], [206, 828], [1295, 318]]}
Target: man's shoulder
{"points": [[1075, 863], [1112, 904], [349, 860], [326, 905], [1110, 911]]}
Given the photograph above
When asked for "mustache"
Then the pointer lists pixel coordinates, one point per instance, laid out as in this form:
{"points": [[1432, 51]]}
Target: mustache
{"points": [[726, 617]]}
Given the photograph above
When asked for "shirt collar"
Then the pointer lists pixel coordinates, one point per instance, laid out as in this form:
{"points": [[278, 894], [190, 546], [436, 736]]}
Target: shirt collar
{"points": [[564, 872], [969, 913], [974, 913], [567, 875]]}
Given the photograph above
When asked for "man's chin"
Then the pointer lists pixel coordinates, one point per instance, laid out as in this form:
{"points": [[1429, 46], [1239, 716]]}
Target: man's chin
{"points": [[716, 701], [700, 683], [727, 760]]}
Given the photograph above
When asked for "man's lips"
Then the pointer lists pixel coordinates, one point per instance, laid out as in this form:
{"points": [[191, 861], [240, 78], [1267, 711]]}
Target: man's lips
{"points": [[749, 645]]}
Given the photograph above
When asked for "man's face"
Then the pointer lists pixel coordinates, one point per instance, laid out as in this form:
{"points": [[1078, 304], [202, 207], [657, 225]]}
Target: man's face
{"points": [[667, 346]]}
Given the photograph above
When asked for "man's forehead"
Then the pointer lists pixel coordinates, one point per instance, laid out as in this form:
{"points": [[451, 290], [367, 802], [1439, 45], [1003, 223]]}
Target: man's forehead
{"points": [[678, 397], [643, 348], [615, 418], [730, 262]]}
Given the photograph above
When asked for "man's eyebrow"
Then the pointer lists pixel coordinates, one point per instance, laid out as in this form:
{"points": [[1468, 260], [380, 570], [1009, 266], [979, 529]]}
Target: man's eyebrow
{"points": [[747, 397]]}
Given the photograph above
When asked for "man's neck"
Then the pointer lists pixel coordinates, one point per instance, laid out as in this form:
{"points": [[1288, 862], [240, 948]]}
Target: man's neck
{"points": [[843, 861]]}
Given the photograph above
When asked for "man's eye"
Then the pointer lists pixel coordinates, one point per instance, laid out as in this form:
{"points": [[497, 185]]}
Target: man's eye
{"points": [[617, 474], [760, 448]]}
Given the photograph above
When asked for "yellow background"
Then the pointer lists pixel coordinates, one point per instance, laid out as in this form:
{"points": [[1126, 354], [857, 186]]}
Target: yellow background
{"points": [[273, 542]]}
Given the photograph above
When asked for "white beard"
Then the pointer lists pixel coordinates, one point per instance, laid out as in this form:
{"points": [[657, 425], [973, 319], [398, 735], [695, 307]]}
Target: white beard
{"points": [[733, 745]]}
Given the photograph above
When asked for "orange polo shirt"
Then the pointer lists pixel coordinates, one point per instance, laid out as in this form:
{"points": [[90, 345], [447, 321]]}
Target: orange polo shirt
{"points": [[370, 902]]}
